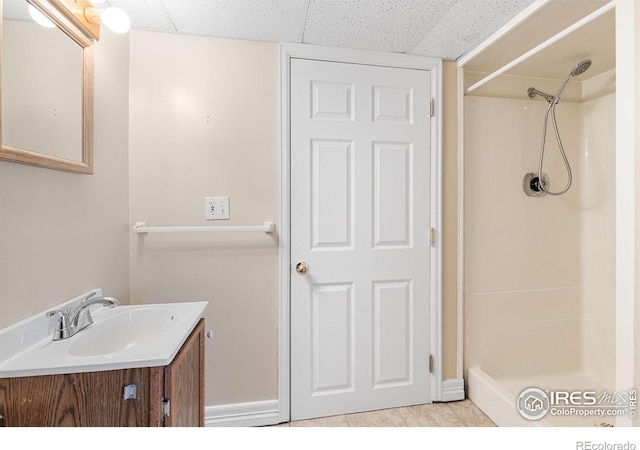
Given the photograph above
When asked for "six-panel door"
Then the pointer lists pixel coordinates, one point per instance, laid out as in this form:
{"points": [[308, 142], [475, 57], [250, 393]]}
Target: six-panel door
{"points": [[360, 209]]}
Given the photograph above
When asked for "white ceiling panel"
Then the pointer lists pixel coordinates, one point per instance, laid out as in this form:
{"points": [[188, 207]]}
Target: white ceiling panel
{"points": [[382, 25], [439, 28], [261, 20], [467, 24], [146, 14]]}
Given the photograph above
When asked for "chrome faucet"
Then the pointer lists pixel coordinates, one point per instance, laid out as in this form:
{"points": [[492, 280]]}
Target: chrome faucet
{"points": [[73, 320]]}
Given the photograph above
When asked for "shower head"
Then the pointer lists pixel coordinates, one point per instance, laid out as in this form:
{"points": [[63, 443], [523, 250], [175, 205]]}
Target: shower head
{"points": [[577, 70], [554, 99], [581, 68]]}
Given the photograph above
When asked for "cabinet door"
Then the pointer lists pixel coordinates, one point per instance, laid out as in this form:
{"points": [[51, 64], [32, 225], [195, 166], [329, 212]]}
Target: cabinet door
{"points": [[184, 382], [93, 399]]}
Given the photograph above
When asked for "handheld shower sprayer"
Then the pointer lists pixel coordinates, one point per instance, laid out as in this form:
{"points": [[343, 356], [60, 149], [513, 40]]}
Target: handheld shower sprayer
{"points": [[537, 184], [581, 68], [577, 70]]}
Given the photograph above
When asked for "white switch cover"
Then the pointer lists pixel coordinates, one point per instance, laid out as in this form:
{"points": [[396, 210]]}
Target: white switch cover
{"points": [[216, 208]]}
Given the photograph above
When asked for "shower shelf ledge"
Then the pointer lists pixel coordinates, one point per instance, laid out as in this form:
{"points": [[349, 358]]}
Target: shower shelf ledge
{"points": [[537, 49]]}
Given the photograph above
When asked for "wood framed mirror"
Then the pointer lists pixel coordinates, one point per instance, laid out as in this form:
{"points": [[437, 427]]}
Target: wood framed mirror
{"points": [[47, 89]]}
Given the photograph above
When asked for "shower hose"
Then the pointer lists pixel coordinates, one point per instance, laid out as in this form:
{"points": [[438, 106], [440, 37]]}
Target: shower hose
{"points": [[541, 183]]}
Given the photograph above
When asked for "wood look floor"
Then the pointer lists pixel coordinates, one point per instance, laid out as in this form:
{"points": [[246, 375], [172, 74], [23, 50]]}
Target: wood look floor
{"points": [[452, 414]]}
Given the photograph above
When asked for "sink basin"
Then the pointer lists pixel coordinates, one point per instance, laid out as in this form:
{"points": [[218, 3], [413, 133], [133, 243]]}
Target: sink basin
{"points": [[124, 337], [123, 331]]}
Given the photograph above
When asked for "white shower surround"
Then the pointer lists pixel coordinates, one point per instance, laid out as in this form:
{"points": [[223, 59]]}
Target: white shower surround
{"points": [[539, 272]]}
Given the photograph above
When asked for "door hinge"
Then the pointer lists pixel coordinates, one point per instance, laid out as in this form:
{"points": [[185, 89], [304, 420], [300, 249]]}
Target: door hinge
{"points": [[432, 235], [432, 107], [430, 363], [166, 408]]}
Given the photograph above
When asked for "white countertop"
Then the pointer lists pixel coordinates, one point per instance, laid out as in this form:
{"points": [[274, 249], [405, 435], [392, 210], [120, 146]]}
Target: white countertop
{"points": [[27, 348]]}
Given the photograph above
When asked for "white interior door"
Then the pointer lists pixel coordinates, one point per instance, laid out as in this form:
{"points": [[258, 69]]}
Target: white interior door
{"points": [[360, 211]]}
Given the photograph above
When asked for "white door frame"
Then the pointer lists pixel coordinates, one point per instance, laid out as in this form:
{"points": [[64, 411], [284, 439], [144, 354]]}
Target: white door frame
{"points": [[287, 52]]}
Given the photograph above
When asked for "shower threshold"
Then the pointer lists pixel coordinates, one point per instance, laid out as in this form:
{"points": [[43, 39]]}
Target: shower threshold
{"points": [[497, 397]]}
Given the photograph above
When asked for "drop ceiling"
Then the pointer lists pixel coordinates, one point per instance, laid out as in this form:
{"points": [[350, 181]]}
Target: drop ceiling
{"points": [[448, 29], [441, 28]]}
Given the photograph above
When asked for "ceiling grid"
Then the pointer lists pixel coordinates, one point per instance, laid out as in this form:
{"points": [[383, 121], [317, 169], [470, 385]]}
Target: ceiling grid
{"points": [[439, 28]]}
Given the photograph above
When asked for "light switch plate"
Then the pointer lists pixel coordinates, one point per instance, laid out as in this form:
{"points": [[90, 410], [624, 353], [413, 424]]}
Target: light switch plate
{"points": [[216, 208]]}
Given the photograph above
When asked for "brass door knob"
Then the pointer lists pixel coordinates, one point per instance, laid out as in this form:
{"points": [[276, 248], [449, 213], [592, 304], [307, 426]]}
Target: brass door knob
{"points": [[302, 267]]}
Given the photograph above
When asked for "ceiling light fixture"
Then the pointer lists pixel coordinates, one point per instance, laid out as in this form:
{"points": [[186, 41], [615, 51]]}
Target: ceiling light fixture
{"points": [[113, 18], [40, 18]]}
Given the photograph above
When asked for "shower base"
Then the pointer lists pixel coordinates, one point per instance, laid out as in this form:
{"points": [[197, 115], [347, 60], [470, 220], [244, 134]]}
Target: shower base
{"points": [[496, 396]]}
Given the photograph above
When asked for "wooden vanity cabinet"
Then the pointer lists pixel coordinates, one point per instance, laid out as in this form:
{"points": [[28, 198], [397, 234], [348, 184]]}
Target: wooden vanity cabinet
{"points": [[164, 396]]}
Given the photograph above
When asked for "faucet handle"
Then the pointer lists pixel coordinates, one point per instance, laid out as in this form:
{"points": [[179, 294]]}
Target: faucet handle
{"points": [[82, 302], [64, 315], [62, 329]]}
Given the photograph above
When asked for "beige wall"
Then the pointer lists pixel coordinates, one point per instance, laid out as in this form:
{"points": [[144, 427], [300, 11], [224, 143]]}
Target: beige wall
{"points": [[62, 234], [450, 220], [204, 122], [200, 117]]}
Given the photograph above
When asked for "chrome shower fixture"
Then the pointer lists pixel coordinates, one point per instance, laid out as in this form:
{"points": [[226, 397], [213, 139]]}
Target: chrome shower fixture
{"points": [[581, 68], [533, 92], [532, 184], [537, 184]]}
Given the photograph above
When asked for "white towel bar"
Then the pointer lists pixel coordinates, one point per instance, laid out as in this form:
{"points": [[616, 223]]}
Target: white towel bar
{"points": [[141, 227]]}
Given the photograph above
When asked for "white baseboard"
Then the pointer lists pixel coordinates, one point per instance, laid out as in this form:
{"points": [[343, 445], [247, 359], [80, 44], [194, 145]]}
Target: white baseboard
{"points": [[255, 414], [452, 390], [251, 414]]}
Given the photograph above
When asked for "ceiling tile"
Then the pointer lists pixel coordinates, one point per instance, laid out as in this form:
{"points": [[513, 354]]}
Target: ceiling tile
{"points": [[262, 20], [382, 25], [146, 14], [440, 28], [467, 24]]}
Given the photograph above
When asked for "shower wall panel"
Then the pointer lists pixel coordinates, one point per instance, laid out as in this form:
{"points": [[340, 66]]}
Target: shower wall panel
{"points": [[514, 242], [539, 271]]}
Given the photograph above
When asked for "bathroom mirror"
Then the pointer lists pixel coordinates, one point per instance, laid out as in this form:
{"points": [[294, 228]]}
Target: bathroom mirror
{"points": [[47, 89]]}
